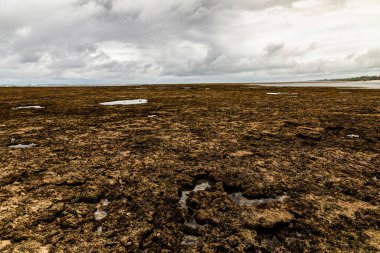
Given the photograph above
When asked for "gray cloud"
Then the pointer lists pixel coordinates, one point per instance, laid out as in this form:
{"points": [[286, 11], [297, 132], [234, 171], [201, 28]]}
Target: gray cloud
{"points": [[273, 48], [370, 59], [121, 41]]}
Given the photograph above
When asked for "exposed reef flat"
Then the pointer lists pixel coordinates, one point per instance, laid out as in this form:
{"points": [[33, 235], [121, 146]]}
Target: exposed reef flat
{"points": [[211, 168]]}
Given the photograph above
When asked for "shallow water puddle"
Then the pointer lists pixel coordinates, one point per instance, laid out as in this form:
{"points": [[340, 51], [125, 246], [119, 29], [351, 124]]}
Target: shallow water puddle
{"points": [[30, 107], [193, 224], [105, 202], [100, 214], [239, 199], [353, 136], [281, 93], [23, 145], [126, 102], [185, 194], [99, 231], [190, 240], [152, 116]]}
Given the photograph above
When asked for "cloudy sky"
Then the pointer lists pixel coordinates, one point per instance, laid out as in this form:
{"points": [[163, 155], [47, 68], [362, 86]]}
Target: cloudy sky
{"points": [[166, 41]]}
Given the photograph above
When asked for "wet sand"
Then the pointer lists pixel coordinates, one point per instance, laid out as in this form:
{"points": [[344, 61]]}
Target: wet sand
{"points": [[201, 168]]}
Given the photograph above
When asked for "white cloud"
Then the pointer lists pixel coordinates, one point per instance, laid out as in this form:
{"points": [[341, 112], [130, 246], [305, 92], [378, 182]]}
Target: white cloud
{"points": [[122, 41]]}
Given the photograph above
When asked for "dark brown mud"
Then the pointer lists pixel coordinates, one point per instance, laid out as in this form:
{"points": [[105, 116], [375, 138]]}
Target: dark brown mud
{"points": [[296, 171]]}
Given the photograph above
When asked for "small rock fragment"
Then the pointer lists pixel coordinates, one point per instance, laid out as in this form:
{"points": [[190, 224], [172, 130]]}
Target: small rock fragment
{"points": [[4, 243], [241, 153]]}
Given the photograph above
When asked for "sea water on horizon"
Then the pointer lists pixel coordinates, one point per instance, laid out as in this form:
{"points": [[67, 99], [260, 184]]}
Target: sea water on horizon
{"points": [[349, 85]]}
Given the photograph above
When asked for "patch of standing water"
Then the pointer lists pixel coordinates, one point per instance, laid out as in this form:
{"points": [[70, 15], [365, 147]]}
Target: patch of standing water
{"points": [[152, 116], [30, 107], [190, 240], [100, 215], [353, 136], [239, 199], [99, 231], [105, 202], [185, 194], [281, 93], [193, 224], [23, 145], [126, 102]]}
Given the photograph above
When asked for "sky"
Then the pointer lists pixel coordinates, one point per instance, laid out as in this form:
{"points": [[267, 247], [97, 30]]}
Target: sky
{"points": [[184, 41]]}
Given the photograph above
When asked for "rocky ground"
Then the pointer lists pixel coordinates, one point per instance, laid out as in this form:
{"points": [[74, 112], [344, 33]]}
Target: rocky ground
{"points": [[199, 168]]}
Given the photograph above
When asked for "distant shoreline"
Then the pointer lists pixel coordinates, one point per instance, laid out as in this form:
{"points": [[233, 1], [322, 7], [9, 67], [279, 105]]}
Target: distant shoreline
{"points": [[356, 79], [371, 84]]}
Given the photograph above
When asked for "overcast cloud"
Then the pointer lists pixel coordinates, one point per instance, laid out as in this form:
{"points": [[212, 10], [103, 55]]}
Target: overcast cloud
{"points": [[151, 41]]}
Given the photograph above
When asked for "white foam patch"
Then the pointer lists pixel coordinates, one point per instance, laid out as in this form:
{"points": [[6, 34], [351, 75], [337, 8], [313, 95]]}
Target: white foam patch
{"points": [[23, 145], [126, 102], [30, 107]]}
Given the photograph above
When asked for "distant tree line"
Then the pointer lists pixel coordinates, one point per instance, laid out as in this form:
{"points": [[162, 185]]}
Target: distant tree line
{"points": [[355, 79]]}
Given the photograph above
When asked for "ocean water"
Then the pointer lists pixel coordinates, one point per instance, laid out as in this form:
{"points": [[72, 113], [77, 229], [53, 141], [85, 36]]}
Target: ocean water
{"points": [[345, 85]]}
